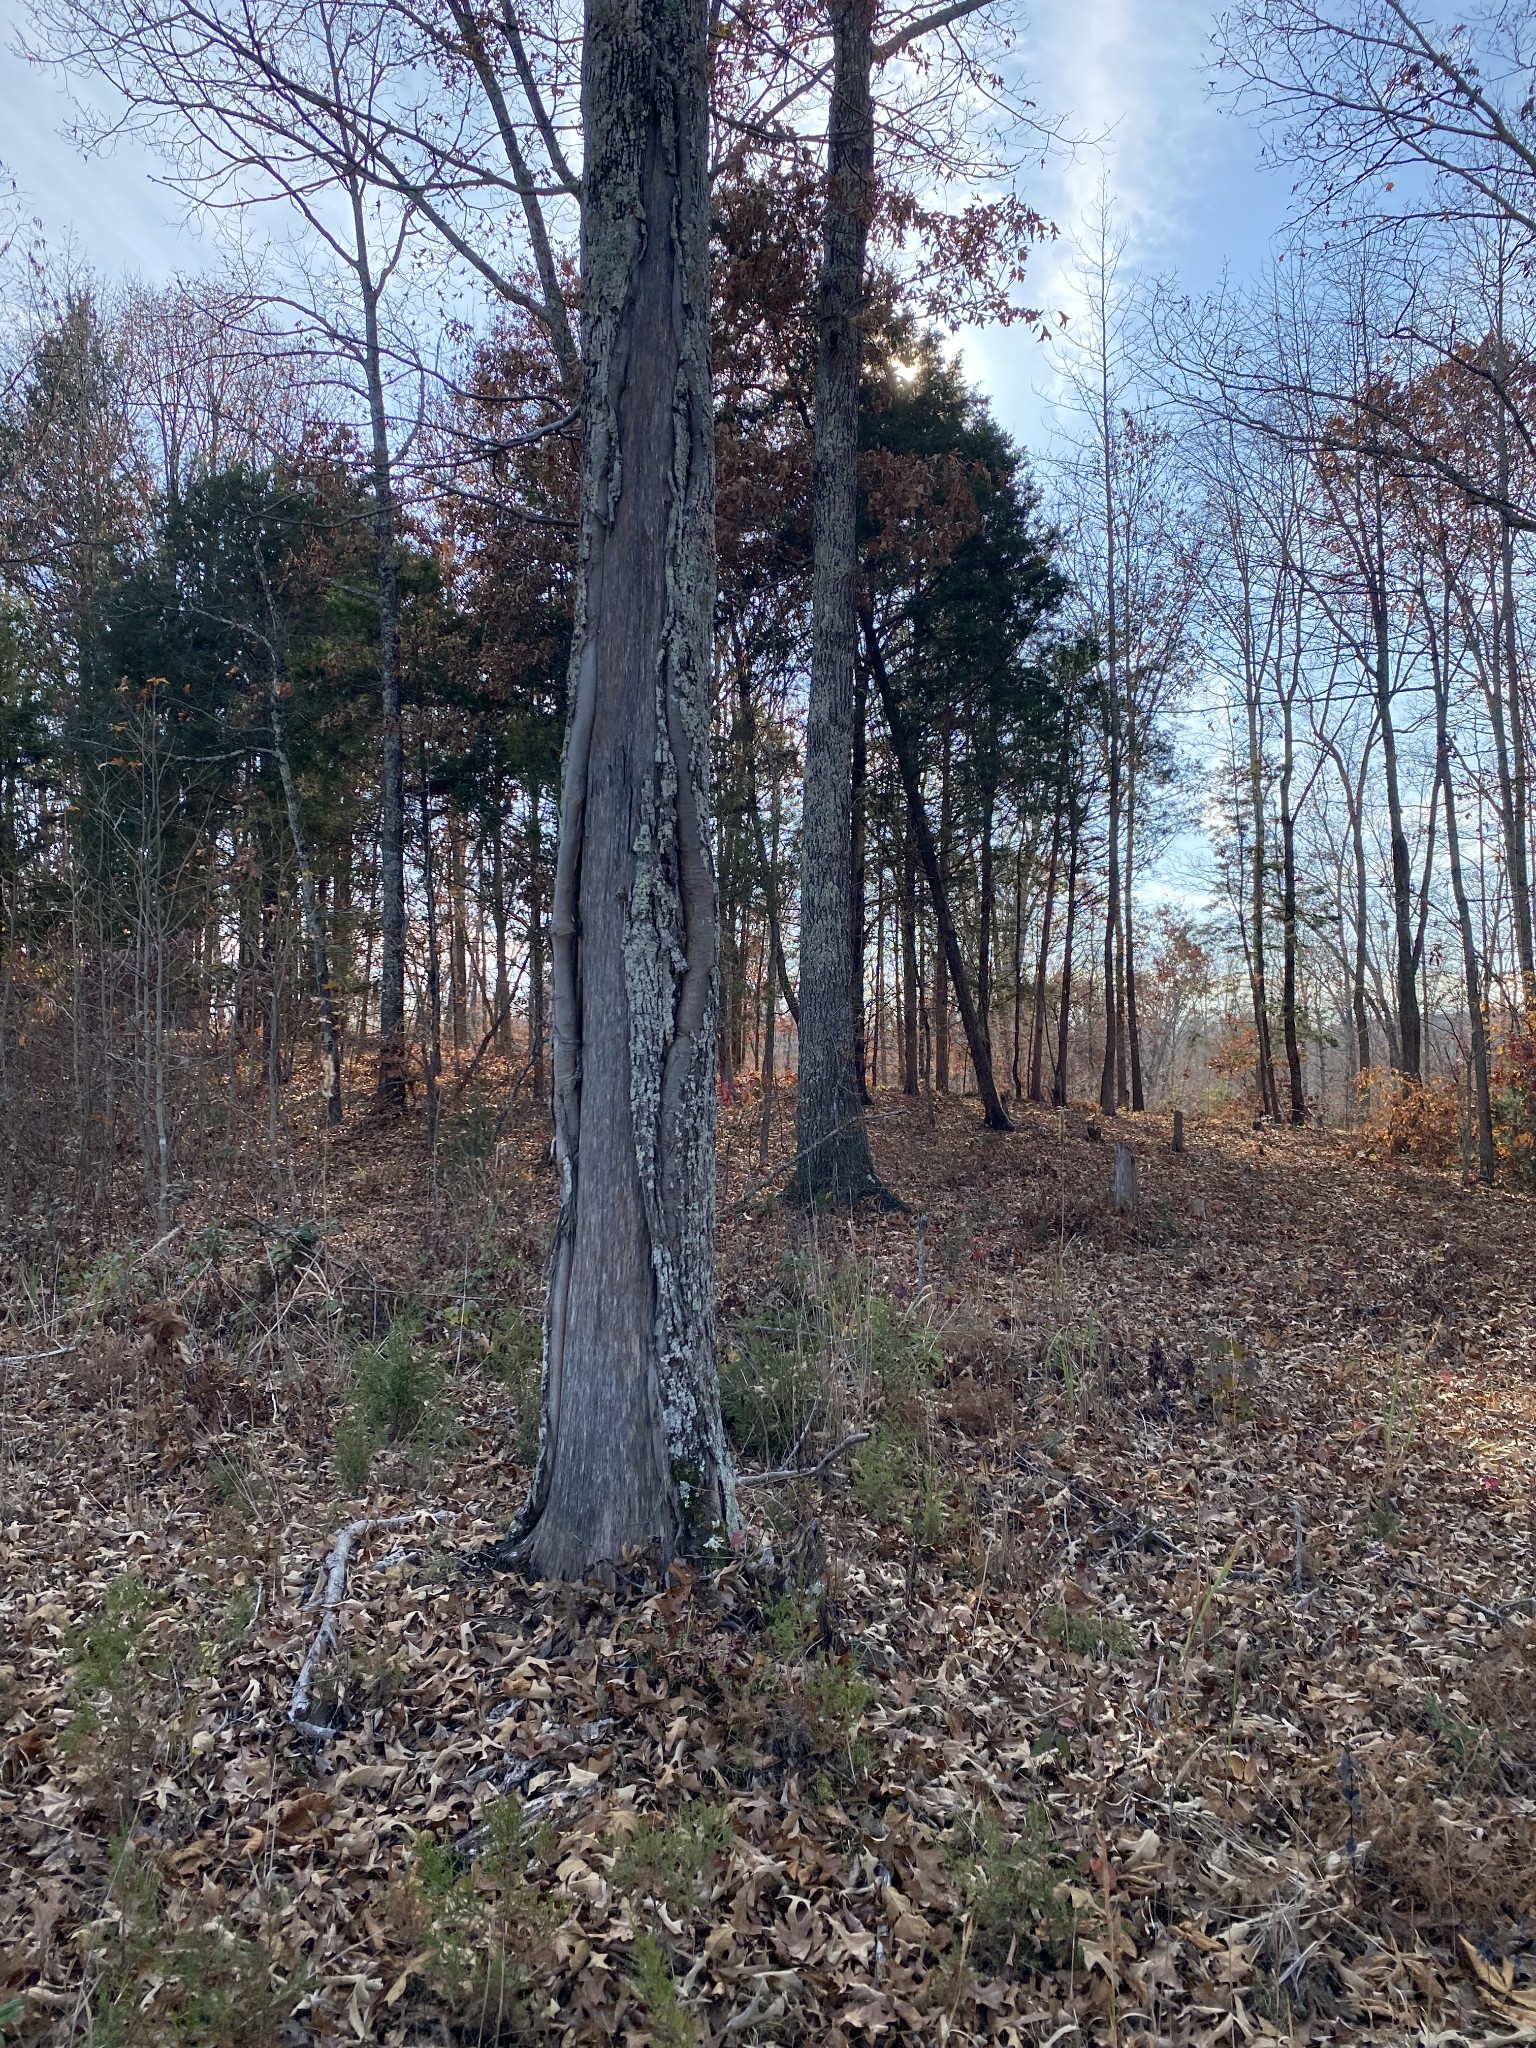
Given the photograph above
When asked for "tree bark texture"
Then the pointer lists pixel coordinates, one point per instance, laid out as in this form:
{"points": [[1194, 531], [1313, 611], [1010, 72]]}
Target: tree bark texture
{"points": [[832, 1141], [632, 1454]]}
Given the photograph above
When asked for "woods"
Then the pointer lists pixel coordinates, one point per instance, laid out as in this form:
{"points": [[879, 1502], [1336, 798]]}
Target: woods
{"points": [[763, 1148]]}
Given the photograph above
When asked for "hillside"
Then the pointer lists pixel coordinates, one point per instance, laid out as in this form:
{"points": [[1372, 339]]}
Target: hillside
{"points": [[1160, 1666]]}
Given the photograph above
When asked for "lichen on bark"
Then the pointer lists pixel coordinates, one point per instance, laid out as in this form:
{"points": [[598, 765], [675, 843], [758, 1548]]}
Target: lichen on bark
{"points": [[632, 1452]]}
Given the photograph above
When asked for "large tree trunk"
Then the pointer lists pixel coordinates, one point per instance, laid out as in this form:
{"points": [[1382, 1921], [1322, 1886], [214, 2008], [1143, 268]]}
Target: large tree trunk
{"points": [[834, 1161], [631, 1450], [977, 1042]]}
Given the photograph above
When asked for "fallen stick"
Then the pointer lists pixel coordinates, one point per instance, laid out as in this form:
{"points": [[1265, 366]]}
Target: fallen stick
{"points": [[327, 1596], [32, 1357], [859, 1436]]}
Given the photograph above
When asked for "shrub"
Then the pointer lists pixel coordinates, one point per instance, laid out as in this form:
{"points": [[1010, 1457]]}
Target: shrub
{"points": [[768, 1389], [1012, 1892], [393, 1387], [1088, 1632], [394, 1398], [670, 1861], [882, 1473], [198, 1985], [474, 1923], [115, 1670], [1419, 1120], [671, 2025]]}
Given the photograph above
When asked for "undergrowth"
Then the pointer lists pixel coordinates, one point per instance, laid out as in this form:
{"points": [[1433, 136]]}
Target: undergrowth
{"points": [[394, 1398]]}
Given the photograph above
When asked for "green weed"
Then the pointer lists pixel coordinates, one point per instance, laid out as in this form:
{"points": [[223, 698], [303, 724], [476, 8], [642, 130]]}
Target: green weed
{"points": [[1071, 1353], [1466, 1741], [886, 1345], [1012, 1891], [671, 2025], [941, 1509], [1400, 1415], [198, 1986], [112, 1685], [394, 1387], [1088, 1632], [768, 1389], [882, 1473], [672, 1862], [474, 1922], [354, 1449], [790, 1623], [394, 1398], [1383, 1521], [516, 1359], [839, 1698]]}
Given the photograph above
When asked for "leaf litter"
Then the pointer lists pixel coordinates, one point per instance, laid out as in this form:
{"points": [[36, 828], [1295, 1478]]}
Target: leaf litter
{"points": [[1160, 1666]]}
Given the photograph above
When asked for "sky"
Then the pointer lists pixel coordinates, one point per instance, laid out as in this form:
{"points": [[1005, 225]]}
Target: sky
{"points": [[1129, 75], [1183, 173]]}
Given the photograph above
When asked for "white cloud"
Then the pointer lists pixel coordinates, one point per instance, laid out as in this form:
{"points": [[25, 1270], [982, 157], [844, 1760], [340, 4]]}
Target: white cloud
{"points": [[107, 209], [1128, 77]]}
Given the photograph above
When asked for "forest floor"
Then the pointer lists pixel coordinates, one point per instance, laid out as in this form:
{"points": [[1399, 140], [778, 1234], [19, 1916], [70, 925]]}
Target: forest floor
{"points": [[1161, 1667]]}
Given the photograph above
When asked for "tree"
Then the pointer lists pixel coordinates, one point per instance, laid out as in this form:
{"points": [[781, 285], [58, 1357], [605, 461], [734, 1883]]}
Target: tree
{"points": [[631, 1449], [961, 591], [832, 1140]]}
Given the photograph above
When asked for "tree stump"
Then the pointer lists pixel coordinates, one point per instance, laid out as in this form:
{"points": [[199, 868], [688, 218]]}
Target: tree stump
{"points": [[1125, 1177], [1178, 1130]]}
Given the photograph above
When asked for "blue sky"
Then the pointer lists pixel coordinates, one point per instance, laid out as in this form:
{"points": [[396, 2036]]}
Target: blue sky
{"points": [[1183, 170], [1184, 174]]}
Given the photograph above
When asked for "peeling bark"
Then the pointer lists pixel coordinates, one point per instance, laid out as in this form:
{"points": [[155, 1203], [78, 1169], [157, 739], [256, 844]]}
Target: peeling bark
{"points": [[632, 1453]]}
